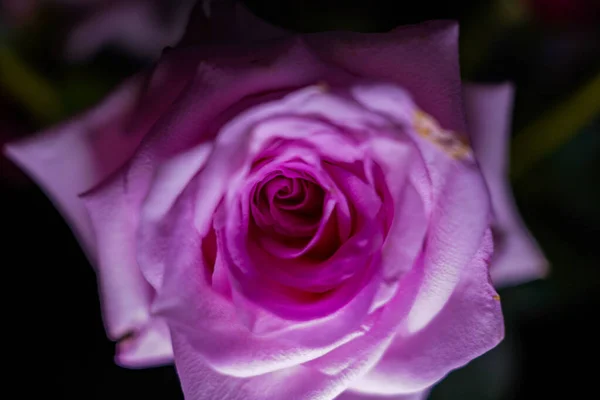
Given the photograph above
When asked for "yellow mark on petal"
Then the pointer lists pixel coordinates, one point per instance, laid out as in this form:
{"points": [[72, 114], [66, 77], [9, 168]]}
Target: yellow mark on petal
{"points": [[460, 150], [496, 297], [453, 144], [423, 123]]}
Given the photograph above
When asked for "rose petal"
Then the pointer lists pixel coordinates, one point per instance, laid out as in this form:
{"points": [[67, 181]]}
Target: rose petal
{"points": [[432, 76], [220, 83], [303, 383], [517, 257], [469, 325], [86, 150], [458, 204], [223, 79], [150, 346], [218, 333], [297, 304], [126, 294]]}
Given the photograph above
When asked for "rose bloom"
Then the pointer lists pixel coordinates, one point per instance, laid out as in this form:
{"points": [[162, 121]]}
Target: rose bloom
{"points": [[298, 216]]}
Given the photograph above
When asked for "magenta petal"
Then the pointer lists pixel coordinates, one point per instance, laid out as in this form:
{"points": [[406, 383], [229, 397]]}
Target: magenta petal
{"points": [[217, 334], [469, 325], [517, 257]]}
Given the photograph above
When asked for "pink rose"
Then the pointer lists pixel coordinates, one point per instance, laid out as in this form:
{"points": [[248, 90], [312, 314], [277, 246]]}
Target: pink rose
{"points": [[303, 216]]}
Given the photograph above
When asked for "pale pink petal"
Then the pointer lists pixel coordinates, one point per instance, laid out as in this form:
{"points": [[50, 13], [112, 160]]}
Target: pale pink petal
{"points": [[455, 198], [126, 294], [200, 382], [149, 346], [517, 257], [73, 157], [76, 157], [469, 325]]}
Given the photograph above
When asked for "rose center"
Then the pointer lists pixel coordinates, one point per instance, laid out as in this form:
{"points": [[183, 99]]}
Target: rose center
{"points": [[288, 205]]}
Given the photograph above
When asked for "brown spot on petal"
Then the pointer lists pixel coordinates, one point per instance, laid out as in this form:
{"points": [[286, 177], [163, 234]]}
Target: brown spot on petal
{"points": [[496, 297]]}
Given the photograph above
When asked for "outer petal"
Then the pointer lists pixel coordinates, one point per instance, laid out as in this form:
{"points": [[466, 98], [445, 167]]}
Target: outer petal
{"points": [[432, 75], [469, 325], [200, 382], [71, 159], [186, 97], [455, 196], [150, 346], [423, 59], [517, 256]]}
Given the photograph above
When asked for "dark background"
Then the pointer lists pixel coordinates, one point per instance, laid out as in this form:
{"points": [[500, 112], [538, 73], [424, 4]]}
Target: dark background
{"points": [[550, 49]]}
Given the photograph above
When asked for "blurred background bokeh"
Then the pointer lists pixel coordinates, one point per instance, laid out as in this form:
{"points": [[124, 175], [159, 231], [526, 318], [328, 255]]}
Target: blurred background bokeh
{"points": [[59, 57]]}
